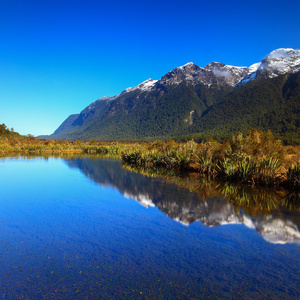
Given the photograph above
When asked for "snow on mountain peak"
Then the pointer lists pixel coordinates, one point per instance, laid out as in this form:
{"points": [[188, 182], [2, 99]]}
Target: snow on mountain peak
{"points": [[282, 53], [251, 74], [254, 67], [147, 84], [280, 61], [144, 86], [187, 65]]}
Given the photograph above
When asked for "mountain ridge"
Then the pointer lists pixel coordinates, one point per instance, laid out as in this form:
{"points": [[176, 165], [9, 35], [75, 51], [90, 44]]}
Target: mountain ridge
{"points": [[183, 97]]}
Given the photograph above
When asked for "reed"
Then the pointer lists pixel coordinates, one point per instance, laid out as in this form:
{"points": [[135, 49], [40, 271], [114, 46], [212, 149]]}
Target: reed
{"points": [[256, 158], [293, 176]]}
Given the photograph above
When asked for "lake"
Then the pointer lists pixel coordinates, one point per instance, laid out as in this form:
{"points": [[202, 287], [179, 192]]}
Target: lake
{"points": [[86, 228]]}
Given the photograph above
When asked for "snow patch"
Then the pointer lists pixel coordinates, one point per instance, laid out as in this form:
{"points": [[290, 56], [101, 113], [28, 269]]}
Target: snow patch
{"points": [[144, 200], [183, 222], [254, 67], [248, 222], [187, 65], [281, 61], [277, 231], [144, 86]]}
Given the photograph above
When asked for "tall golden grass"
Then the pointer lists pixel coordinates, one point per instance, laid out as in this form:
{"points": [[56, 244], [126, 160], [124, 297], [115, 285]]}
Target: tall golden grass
{"points": [[257, 158]]}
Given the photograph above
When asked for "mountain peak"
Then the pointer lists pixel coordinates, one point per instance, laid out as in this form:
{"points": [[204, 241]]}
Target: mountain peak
{"points": [[144, 86], [214, 64], [282, 52], [284, 56], [148, 81], [187, 65], [230, 74], [147, 84], [280, 61], [188, 72]]}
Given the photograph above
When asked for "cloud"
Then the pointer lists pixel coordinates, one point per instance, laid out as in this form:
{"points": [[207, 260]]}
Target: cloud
{"points": [[218, 72]]}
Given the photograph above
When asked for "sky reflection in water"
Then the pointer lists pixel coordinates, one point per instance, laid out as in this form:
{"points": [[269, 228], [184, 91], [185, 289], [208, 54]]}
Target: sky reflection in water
{"points": [[67, 231]]}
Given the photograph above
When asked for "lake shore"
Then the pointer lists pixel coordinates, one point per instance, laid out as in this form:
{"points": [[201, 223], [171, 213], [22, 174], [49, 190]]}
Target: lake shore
{"points": [[257, 158]]}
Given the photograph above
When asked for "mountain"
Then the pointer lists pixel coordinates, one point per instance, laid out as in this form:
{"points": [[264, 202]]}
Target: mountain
{"points": [[194, 102], [264, 104]]}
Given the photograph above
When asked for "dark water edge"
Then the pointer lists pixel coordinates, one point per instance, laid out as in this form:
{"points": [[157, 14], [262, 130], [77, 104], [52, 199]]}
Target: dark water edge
{"points": [[86, 228]]}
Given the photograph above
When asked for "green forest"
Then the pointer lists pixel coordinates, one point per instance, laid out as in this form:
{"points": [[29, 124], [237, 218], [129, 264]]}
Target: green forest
{"points": [[184, 111]]}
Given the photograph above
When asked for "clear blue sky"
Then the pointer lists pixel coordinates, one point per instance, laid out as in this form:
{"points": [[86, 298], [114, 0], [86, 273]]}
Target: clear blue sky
{"points": [[58, 56]]}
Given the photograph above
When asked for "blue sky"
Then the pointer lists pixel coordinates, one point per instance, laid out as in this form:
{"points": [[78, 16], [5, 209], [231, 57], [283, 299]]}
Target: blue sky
{"points": [[58, 56]]}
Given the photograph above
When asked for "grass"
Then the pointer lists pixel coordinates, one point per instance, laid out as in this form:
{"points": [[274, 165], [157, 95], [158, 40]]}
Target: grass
{"points": [[257, 158]]}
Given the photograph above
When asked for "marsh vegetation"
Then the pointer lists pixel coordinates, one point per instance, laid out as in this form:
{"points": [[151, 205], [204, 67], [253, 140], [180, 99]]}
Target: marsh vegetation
{"points": [[256, 158]]}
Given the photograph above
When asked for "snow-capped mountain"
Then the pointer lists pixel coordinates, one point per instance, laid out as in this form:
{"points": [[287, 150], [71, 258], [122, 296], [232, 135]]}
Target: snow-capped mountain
{"points": [[213, 73], [157, 108], [279, 61]]}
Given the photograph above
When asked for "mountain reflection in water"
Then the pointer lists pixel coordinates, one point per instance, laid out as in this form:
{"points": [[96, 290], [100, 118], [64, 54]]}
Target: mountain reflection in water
{"points": [[274, 214]]}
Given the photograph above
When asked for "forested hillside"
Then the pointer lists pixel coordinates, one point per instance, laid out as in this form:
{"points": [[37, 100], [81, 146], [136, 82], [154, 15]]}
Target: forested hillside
{"points": [[186, 111], [272, 104], [188, 102]]}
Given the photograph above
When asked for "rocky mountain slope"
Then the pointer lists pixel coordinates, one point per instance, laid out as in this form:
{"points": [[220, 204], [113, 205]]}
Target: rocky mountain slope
{"points": [[195, 102]]}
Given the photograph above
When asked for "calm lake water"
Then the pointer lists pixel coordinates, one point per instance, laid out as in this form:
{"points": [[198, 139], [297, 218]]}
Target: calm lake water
{"points": [[88, 229]]}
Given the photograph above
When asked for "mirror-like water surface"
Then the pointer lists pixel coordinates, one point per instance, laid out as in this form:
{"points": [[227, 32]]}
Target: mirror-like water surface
{"points": [[88, 229]]}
